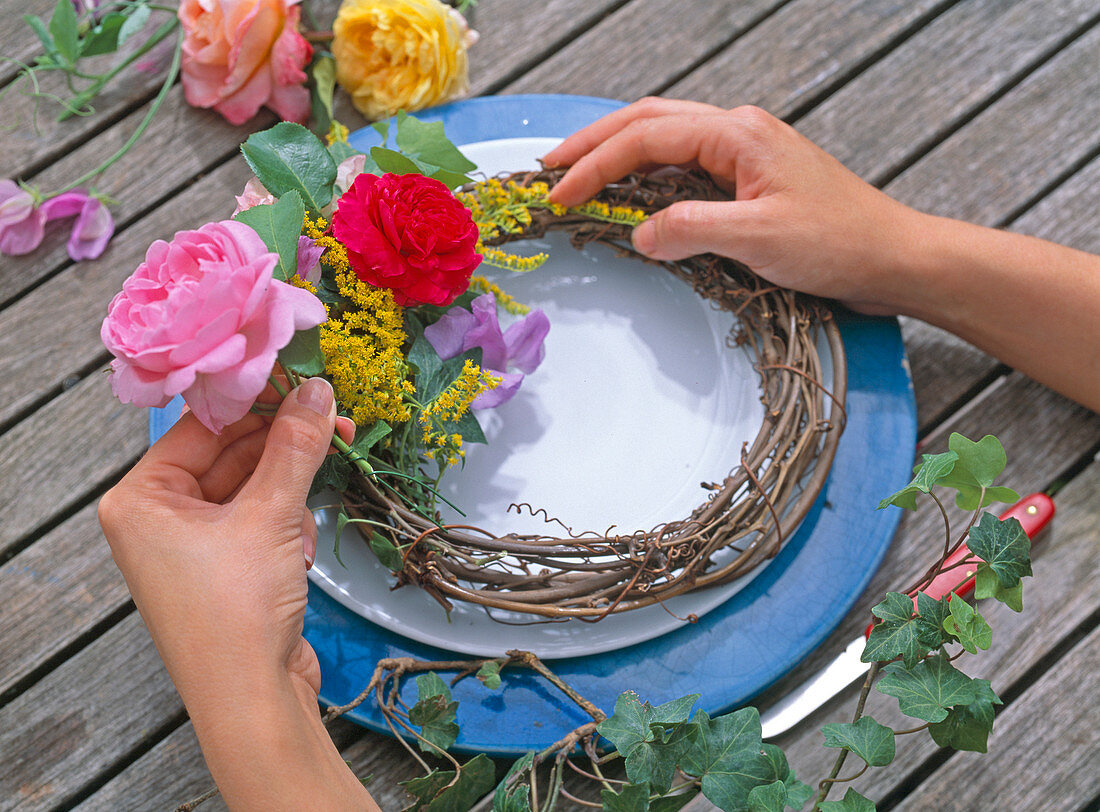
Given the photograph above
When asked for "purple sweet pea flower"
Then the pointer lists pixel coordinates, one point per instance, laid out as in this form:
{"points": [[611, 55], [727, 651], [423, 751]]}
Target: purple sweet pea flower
{"points": [[94, 225], [520, 346], [22, 223], [309, 259]]}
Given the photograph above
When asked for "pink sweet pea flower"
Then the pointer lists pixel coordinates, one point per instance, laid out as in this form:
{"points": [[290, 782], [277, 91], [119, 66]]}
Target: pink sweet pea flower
{"points": [[203, 316], [22, 223], [241, 55], [309, 259], [520, 346], [94, 225]]}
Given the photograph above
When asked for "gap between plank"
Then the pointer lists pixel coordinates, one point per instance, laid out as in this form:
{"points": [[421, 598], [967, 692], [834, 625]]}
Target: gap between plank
{"points": [[902, 166]]}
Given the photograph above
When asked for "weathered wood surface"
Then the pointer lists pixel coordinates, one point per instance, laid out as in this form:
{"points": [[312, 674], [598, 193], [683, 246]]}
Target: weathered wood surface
{"points": [[85, 706], [632, 44]]}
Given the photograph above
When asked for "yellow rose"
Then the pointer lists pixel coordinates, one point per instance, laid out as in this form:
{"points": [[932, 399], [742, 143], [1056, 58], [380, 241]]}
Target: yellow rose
{"points": [[400, 54]]}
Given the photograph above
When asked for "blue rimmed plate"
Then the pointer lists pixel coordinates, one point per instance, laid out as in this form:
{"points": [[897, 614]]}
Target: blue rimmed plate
{"points": [[742, 645]]}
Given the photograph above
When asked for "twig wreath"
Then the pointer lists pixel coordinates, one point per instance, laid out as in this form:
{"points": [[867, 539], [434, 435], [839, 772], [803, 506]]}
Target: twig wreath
{"points": [[589, 575]]}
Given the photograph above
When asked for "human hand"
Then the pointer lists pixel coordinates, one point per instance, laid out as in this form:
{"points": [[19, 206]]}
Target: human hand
{"points": [[799, 219], [209, 532]]}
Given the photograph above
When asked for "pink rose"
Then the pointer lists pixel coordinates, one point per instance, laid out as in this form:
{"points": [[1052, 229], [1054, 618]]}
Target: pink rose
{"points": [[203, 316], [239, 55], [254, 194]]}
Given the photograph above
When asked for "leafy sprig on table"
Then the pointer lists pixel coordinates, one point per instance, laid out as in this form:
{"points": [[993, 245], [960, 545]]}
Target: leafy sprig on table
{"points": [[670, 755]]}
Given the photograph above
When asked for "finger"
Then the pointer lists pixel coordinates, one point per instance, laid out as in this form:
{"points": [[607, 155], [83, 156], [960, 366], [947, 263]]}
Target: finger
{"points": [[693, 227], [191, 448], [229, 471], [309, 538], [584, 141], [345, 427], [708, 139], [296, 444]]}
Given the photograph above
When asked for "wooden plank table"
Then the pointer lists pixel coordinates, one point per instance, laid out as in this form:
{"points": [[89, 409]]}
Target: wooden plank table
{"points": [[980, 109]]}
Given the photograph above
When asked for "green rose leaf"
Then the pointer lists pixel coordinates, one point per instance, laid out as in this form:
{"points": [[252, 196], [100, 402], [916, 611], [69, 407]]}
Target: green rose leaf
{"points": [[978, 465], [898, 635], [435, 792], [928, 689], [971, 629], [468, 427], [1004, 546], [427, 141], [63, 29], [632, 798], [390, 160], [988, 585], [303, 355], [871, 741], [851, 802], [931, 614], [434, 713], [323, 74], [516, 797], [967, 727], [279, 225], [489, 674], [288, 157]]}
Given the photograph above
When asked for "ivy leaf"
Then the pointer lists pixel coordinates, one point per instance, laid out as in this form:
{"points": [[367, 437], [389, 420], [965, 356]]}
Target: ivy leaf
{"points": [[432, 793], [332, 475], [931, 614], [289, 157], [967, 727], [988, 585], [515, 798], [871, 741], [675, 711], [851, 802], [722, 741], [279, 225], [798, 792], [928, 689], [639, 736], [968, 626], [1004, 546], [978, 465], [673, 803], [303, 354], [768, 797], [898, 635], [489, 674], [434, 713], [632, 798], [63, 29], [386, 552], [729, 788], [928, 473]]}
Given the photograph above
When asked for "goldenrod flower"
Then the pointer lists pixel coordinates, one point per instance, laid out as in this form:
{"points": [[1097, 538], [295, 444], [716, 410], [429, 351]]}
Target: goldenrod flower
{"points": [[400, 54]]}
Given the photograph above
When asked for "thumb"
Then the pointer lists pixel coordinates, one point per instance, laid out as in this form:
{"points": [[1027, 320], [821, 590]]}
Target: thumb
{"points": [[693, 227], [296, 444]]}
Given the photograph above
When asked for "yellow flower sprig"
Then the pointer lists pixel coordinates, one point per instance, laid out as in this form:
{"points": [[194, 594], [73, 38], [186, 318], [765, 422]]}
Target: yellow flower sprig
{"points": [[449, 407]]}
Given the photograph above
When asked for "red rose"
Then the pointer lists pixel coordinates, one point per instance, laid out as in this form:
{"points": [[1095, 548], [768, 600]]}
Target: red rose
{"points": [[410, 234]]}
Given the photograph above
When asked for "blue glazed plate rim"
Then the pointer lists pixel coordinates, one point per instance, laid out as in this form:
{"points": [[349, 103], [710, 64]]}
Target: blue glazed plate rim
{"points": [[738, 649]]}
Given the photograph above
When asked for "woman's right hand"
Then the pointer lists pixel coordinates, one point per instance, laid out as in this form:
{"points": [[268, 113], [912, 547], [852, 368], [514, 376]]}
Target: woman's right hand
{"points": [[799, 219]]}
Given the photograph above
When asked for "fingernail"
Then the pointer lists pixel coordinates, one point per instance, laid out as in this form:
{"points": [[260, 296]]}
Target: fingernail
{"points": [[644, 238], [316, 395], [309, 548]]}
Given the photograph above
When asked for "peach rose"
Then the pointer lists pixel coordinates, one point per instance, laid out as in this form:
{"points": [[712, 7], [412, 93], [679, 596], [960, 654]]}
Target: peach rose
{"points": [[240, 55], [400, 54]]}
